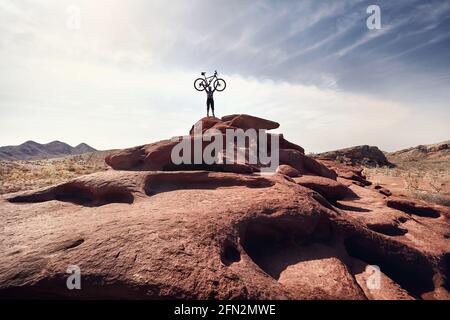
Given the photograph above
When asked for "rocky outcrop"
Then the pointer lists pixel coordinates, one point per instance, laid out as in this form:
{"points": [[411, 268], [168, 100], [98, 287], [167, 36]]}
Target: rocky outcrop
{"points": [[305, 164], [383, 190], [147, 231], [436, 152], [328, 188], [245, 121], [350, 173], [203, 235], [416, 207], [157, 156], [359, 155], [287, 170]]}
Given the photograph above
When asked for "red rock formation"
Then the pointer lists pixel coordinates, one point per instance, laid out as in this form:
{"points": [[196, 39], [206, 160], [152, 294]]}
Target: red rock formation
{"points": [[358, 155], [330, 189], [350, 173], [287, 170], [245, 121], [137, 233], [416, 207], [157, 156]]}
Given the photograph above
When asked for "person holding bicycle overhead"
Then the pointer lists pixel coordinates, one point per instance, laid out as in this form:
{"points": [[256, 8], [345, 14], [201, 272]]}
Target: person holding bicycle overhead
{"points": [[204, 83], [209, 100]]}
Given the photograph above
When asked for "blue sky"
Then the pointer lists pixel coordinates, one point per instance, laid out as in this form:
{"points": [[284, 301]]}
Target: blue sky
{"points": [[125, 76]]}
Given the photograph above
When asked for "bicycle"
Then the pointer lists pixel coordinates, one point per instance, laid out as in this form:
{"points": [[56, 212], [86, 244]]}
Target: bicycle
{"points": [[201, 84]]}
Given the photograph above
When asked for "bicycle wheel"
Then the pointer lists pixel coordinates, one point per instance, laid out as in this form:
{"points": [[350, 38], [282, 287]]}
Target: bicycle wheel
{"points": [[220, 84], [200, 84]]}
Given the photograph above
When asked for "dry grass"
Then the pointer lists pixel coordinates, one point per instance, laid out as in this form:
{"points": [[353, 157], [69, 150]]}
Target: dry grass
{"points": [[424, 179], [437, 198], [27, 175]]}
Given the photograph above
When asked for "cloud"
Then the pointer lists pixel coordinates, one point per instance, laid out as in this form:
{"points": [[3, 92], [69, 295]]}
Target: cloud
{"points": [[126, 76]]}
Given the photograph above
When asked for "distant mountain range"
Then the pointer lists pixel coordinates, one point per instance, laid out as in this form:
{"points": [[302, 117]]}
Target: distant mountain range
{"points": [[31, 150], [436, 151], [372, 156]]}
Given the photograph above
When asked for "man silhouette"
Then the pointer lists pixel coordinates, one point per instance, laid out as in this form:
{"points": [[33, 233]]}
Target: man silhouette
{"points": [[209, 100]]}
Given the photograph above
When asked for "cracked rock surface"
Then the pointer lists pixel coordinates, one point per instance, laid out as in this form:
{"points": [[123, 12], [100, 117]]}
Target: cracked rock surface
{"points": [[139, 233]]}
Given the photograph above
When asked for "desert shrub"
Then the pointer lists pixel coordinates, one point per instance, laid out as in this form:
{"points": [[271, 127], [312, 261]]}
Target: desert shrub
{"points": [[412, 180], [25, 175], [437, 198]]}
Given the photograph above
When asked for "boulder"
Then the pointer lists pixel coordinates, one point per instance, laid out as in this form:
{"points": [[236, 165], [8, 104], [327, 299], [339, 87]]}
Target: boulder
{"points": [[205, 123], [416, 207], [287, 170], [153, 156], [285, 144], [304, 164], [346, 171], [360, 155], [328, 188], [245, 121], [383, 190]]}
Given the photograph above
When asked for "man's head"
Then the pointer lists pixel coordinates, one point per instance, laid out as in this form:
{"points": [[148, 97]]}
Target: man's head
{"points": [[209, 88]]}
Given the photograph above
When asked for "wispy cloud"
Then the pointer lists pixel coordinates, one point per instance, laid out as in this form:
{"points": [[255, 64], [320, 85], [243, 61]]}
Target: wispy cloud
{"points": [[309, 64]]}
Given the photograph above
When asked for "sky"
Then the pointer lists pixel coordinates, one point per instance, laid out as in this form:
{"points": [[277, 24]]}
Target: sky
{"points": [[116, 74]]}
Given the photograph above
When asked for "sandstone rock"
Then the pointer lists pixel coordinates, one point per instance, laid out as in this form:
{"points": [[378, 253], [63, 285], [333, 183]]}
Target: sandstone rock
{"points": [[422, 235], [438, 151], [364, 275], [153, 156], [205, 123], [157, 156], [317, 168], [349, 172], [284, 144], [245, 121], [383, 190], [294, 159], [196, 235], [415, 207], [328, 188], [288, 170], [304, 164], [359, 155], [126, 159], [222, 127], [157, 230]]}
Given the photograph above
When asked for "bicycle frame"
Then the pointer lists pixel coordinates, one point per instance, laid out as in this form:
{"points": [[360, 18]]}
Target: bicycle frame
{"points": [[203, 82], [210, 78]]}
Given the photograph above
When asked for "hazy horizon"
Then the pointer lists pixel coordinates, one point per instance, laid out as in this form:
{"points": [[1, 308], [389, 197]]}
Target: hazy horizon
{"points": [[121, 74], [83, 142]]}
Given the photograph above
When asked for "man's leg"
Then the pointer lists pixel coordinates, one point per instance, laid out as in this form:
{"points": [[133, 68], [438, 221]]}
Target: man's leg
{"points": [[212, 107], [207, 107]]}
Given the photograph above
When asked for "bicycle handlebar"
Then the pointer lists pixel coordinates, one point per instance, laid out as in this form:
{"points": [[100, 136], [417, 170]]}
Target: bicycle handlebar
{"points": [[204, 73]]}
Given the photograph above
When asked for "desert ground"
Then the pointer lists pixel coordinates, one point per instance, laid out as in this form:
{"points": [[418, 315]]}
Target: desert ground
{"points": [[422, 178], [24, 175]]}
